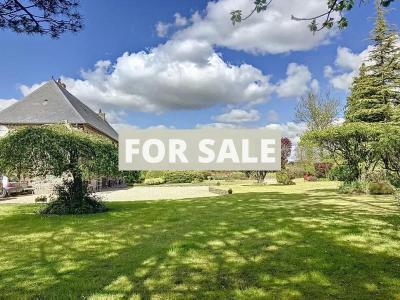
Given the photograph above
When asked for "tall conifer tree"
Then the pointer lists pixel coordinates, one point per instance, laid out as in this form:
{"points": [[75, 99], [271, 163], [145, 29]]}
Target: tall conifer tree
{"points": [[375, 93]]}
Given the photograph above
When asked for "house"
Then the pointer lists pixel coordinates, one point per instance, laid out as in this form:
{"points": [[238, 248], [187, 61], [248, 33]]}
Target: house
{"points": [[53, 104]]}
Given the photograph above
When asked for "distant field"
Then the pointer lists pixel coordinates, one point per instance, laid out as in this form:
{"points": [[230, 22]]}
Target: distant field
{"points": [[293, 242]]}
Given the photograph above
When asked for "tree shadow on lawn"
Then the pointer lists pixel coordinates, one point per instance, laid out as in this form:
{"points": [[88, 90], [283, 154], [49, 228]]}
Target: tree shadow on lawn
{"points": [[253, 245]]}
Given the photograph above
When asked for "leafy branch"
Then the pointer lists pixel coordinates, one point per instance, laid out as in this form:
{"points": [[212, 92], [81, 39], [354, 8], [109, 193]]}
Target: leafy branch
{"points": [[333, 15], [46, 17]]}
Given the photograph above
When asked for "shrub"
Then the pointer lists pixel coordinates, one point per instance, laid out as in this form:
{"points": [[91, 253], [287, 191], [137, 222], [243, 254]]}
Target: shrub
{"points": [[184, 176], [393, 179], [284, 178], [355, 187], [309, 169], [230, 192], [380, 188], [308, 177], [41, 199], [230, 175], [196, 180], [62, 204], [131, 177], [142, 177], [341, 173], [375, 176], [154, 174], [296, 170], [154, 181], [322, 169]]}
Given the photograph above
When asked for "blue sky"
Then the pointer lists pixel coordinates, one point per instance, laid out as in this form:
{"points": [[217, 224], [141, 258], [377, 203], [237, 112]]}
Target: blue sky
{"points": [[201, 71]]}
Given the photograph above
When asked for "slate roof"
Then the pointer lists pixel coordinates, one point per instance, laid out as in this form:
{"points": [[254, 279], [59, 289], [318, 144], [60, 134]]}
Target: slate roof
{"points": [[52, 104]]}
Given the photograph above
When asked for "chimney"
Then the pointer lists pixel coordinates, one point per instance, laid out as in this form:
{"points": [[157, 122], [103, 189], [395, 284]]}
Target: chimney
{"points": [[60, 83], [102, 115]]}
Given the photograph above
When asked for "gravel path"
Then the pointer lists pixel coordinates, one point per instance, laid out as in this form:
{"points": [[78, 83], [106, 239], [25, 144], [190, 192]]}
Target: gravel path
{"points": [[135, 194]]}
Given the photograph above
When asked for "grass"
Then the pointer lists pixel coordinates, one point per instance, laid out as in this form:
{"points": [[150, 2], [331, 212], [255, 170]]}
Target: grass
{"points": [[296, 242]]}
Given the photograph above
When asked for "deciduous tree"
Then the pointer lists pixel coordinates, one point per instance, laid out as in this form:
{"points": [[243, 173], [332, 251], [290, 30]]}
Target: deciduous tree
{"points": [[60, 151], [317, 111]]}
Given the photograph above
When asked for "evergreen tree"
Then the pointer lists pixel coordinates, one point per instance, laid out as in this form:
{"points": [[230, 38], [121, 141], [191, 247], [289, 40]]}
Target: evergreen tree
{"points": [[375, 93]]}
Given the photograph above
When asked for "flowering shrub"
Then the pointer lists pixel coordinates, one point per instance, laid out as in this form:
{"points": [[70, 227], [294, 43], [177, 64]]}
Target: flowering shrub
{"points": [[322, 169]]}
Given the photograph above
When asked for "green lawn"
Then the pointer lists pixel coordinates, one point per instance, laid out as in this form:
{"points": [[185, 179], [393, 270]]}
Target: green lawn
{"points": [[302, 241]]}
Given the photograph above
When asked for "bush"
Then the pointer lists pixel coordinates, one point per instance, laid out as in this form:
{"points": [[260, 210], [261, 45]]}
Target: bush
{"points": [[154, 181], [341, 173], [355, 187], [131, 177], [62, 204], [309, 169], [41, 199], [230, 175], [284, 178], [154, 174], [142, 177], [393, 179], [308, 177], [197, 181], [296, 170], [322, 169], [184, 176], [375, 176], [230, 192], [380, 188]]}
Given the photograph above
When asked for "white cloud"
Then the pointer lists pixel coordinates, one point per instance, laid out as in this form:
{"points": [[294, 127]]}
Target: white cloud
{"points": [[216, 125], [296, 83], [180, 21], [238, 116], [123, 126], [4, 103], [271, 31], [346, 67], [126, 126], [272, 116], [291, 130], [314, 86], [164, 28], [176, 75]]}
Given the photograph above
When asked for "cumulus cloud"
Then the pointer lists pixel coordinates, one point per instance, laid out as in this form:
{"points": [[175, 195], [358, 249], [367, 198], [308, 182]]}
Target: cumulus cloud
{"points": [[314, 86], [123, 126], [291, 130], [238, 116], [163, 28], [297, 82], [187, 73], [4, 103], [346, 67], [176, 75], [272, 31], [216, 125], [126, 126]]}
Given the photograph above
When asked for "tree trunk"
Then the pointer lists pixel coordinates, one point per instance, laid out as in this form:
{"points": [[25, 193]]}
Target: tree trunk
{"points": [[76, 191], [76, 188]]}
